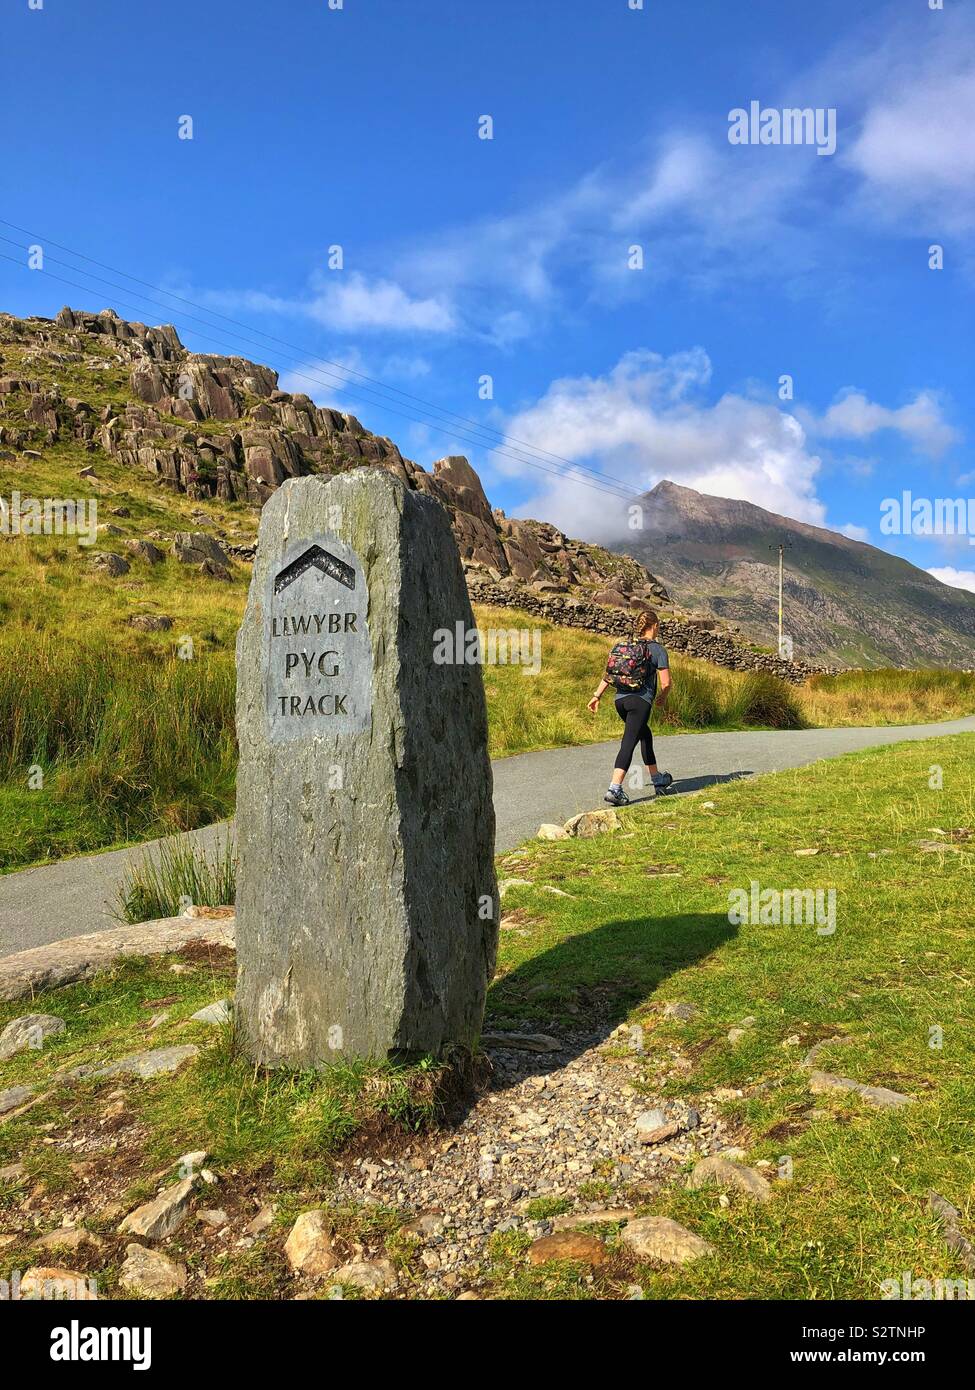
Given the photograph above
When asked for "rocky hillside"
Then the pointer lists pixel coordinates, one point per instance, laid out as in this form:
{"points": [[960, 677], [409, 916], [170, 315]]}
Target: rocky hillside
{"points": [[219, 428], [846, 603]]}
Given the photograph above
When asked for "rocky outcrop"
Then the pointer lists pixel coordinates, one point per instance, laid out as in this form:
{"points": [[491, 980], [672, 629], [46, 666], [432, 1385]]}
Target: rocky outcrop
{"points": [[26, 973], [220, 427]]}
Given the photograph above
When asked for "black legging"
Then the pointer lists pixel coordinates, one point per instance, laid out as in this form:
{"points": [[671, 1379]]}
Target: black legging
{"points": [[635, 713]]}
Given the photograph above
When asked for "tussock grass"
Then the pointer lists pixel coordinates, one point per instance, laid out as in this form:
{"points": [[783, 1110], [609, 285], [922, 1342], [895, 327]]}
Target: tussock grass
{"points": [[178, 876], [888, 697], [548, 709], [98, 748]]}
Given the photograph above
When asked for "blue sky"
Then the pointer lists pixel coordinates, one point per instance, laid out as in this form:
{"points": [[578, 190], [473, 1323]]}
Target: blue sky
{"points": [[464, 257]]}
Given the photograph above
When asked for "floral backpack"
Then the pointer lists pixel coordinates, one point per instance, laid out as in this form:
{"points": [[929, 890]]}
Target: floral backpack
{"points": [[628, 666]]}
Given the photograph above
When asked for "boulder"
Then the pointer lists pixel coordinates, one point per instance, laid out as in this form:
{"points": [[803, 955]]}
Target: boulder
{"points": [[821, 1082], [658, 1238], [163, 1215], [151, 1273], [67, 1238], [309, 1246], [552, 832], [107, 562], [722, 1172], [145, 550], [612, 598], [193, 548], [50, 1282], [14, 1097], [220, 1012], [149, 622], [371, 1276], [590, 823], [144, 1065]]}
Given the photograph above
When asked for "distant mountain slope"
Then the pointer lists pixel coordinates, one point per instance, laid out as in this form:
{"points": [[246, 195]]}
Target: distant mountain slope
{"points": [[846, 603]]}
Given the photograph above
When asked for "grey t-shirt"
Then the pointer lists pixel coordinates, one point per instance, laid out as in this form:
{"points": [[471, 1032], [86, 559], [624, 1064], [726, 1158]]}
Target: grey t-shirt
{"points": [[659, 661]]}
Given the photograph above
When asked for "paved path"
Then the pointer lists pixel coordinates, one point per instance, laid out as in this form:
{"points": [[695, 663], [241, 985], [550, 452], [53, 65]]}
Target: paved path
{"points": [[77, 896]]}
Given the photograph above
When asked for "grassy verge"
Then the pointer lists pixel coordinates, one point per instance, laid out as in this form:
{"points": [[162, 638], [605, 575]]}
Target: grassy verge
{"points": [[896, 976], [646, 922], [110, 736]]}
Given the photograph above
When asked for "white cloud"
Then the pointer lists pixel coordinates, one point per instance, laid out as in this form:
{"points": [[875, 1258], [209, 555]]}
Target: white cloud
{"points": [[349, 301], [915, 149], [645, 420], [957, 579], [853, 416], [649, 418], [702, 209]]}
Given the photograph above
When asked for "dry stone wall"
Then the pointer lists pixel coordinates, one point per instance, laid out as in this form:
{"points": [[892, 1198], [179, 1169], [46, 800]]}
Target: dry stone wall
{"points": [[565, 610]]}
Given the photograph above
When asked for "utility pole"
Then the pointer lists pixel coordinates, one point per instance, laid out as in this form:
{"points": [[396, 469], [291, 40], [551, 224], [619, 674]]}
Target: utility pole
{"points": [[781, 547]]}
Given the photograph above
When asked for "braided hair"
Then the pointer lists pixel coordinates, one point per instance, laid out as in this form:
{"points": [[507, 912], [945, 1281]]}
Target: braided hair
{"points": [[647, 617]]}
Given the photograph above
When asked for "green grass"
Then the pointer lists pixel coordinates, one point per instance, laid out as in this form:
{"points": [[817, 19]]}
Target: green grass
{"points": [[98, 748], [900, 964], [133, 742], [888, 697], [163, 883], [132, 732]]}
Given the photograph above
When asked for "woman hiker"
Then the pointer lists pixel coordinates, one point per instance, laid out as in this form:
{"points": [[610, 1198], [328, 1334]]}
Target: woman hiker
{"points": [[632, 668]]}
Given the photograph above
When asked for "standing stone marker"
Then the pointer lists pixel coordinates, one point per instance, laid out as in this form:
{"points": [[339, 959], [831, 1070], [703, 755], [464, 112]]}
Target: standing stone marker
{"points": [[367, 906]]}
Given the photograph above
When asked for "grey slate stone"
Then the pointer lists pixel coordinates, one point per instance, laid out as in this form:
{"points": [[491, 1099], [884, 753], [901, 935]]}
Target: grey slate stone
{"points": [[821, 1082], [723, 1172], [144, 1065], [30, 1030], [220, 1012], [194, 548], [13, 1097], [163, 1215], [358, 906]]}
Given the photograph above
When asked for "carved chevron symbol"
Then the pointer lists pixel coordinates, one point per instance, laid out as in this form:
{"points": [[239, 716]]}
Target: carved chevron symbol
{"points": [[316, 558]]}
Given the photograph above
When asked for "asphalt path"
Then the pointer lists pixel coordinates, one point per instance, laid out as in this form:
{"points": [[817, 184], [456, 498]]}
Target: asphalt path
{"points": [[77, 896]]}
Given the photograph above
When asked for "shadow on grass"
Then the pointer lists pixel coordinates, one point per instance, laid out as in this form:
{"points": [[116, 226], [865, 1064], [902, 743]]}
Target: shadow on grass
{"points": [[581, 989]]}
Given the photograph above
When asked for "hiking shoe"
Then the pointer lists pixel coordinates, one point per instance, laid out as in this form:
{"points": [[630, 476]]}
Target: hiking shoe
{"points": [[662, 780], [616, 796]]}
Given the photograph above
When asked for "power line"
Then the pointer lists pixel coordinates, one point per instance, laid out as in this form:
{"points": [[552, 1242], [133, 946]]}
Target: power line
{"points": [[468, 423], [597, 483]]}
